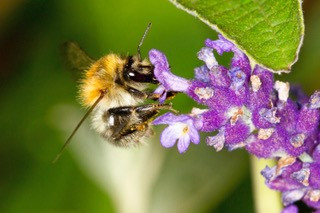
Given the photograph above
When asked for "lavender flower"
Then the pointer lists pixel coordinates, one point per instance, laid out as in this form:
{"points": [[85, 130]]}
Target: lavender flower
{"points": [[245, 108], [169, 82], [180, 128]]}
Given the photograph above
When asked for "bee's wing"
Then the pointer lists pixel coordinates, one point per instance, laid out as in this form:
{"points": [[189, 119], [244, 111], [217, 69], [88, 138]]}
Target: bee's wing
{"points": [[76, 58]]}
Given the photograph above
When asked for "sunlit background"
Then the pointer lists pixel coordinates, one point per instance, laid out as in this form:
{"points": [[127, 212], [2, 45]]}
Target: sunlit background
{"points": [[39, 108]]}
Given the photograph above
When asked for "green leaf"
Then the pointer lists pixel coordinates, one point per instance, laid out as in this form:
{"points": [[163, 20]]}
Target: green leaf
{"points": [[269, 31]]}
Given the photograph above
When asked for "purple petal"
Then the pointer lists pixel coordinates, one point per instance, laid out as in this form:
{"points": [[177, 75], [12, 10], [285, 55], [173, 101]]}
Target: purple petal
{"points": [[183, 143], [289, 197], [170, 118], [216, 141], [160, 90], [173, 82], [221, 45], [269, 115], [297, 140], [239, 59], [290, 209], [202, 74], [206, 55], [237, 77], [260, 117], [194, 135], [302, 176], [163, 74], [169, 136], [163, 94], [269, 173], [315, 100], [159, 60], [284, 184]]}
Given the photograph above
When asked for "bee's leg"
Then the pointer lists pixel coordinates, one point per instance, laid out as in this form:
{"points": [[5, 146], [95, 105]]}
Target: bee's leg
{"points": [[143, 115], [137, 93], [155, 97], [118, 118], [150, 95]]}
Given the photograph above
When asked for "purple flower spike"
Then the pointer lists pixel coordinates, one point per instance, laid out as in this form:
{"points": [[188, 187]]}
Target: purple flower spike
{"points": [[181, 128], [249, 110], [163, 74]]}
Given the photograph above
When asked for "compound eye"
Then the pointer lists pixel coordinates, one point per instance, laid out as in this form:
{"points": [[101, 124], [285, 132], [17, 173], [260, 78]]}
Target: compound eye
{"points": [[141, 77], [138, 77]]}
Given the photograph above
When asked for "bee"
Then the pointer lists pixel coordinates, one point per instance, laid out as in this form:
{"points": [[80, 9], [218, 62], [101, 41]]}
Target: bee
{"points": [[113, 89]]}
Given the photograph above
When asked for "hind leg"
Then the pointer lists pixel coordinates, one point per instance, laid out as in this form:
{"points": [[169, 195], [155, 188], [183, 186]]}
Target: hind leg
{"points": [[126, 120]]}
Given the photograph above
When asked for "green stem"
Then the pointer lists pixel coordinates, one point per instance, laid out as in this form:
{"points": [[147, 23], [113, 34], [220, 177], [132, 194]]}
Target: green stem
{"points": [[266, 200]]}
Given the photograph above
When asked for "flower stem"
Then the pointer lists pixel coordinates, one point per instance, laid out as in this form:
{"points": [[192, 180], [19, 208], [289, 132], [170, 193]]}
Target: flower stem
{"points": [[266, 200]]}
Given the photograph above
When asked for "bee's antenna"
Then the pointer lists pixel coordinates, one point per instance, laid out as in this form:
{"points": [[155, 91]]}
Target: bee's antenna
{"points": [[142, 39], [79, 124]]}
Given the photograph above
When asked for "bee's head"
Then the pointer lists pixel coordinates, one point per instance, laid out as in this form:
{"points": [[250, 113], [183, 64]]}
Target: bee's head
{"points": [[137, 71]]}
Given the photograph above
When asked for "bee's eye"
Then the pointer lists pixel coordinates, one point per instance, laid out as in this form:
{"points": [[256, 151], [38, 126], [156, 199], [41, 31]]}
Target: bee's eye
{"points": [[141, 77]]}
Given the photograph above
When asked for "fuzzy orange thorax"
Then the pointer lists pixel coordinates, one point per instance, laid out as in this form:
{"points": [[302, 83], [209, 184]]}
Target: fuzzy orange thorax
{"points": [[100, 76]]}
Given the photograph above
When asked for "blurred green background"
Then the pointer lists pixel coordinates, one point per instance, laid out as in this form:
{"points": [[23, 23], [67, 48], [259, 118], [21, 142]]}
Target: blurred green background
{"points": [[39, 109]]}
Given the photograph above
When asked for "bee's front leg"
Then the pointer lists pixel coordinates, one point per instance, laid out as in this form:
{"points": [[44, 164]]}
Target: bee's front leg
{"points": [[155, 96], [149, 95]]}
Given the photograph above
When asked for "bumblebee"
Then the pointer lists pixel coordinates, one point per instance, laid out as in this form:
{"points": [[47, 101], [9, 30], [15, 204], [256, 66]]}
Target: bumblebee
{"points": [[113, 89]]}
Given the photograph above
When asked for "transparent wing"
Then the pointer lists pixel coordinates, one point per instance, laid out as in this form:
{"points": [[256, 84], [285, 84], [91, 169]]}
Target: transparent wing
{"points": [[75, 57]]}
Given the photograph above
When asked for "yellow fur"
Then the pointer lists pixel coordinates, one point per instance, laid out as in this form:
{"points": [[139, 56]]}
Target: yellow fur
{"points": [[100, 76]]}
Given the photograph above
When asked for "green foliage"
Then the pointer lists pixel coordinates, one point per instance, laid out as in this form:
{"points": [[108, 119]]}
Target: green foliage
{"points": [[269, 31]]}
